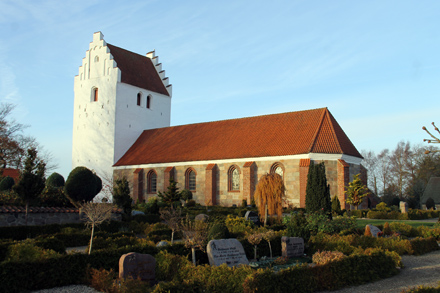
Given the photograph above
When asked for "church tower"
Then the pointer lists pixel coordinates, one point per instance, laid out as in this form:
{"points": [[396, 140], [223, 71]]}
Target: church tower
{"points": [[118, 94]]}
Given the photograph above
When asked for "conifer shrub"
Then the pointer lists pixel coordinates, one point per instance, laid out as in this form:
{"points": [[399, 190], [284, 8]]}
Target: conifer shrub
{"points": [[336, 205], [317, 190], [430, 204], [297, 226], [238, 226], [218, 230], [55, 180], [6, 183]]}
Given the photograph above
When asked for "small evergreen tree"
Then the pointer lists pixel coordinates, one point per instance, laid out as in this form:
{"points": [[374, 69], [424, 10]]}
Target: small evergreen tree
{"points": [[172, 194], [55, 180], [317, 190], [336, 205], [53, 193], [121, 195], [6, 183], [32, 179], [356, 192], [430, 204]]}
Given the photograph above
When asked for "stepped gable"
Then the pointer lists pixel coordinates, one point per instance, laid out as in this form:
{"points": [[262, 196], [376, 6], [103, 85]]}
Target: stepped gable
{"points": [[283, 134], [137, 70]]}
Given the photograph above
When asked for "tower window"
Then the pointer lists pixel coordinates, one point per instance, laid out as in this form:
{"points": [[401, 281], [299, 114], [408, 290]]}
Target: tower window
{"points": [[139, 98], [148, 102], [95, 94]]}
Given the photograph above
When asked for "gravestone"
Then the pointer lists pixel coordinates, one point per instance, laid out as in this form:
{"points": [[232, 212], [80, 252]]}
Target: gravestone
{"points": [[162, 244], [252, 216], [374, 230], [292, 246], [202, 217], [403, 207], [228, 251], [138, 266]]}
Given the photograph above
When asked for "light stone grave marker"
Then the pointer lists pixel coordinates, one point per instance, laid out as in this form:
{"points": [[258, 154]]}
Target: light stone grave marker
{"points": [[252, 216], [374, 230], [403, 207], [292, 246], [137, 265], [228, 251], [201, 217]]}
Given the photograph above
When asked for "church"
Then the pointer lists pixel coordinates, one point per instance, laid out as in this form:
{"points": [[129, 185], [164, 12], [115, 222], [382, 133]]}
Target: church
{"points": [[121, 128]]}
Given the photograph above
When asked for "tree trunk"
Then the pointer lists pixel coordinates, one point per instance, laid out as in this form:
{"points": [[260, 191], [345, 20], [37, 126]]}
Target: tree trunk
{"points": [[255, 252], [270, 249], [91, 238], [26, 215], [172, 237], [265, 216], [193, 251]]}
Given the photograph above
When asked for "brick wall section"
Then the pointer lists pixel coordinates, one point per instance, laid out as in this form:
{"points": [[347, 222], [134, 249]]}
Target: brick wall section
{"points": [[248, 181], [343, 180], [303, 171], [211, 184]]}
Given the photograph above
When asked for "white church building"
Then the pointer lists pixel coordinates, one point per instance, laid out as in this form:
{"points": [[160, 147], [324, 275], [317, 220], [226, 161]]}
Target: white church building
{"points": [[121, 128]]}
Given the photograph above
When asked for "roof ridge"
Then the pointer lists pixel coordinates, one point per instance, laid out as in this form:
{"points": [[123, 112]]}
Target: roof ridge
{"points": [[332, 127]]}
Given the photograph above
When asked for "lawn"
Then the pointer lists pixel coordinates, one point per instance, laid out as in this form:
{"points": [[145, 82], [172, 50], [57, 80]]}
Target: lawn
{"points": [[361, 223]]}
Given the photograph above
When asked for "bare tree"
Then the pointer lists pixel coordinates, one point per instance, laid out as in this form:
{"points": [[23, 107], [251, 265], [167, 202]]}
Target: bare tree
{"points": [[95, 215], [384, 169], [172, 218], [433, 139], [195, 234], [371, 163]]}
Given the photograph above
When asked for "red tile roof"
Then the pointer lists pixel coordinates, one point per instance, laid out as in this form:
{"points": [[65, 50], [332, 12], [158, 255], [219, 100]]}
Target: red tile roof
{"points": [[13, 173], [293, 133], [137, 70]]}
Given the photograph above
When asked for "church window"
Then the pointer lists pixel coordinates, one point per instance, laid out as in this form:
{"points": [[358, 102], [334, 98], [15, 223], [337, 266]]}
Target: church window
{"points": [[233, 179], [152, 182], [94, 94], [148, 102], [96, 59], [277, 168], [139, 98], [190, 179]]}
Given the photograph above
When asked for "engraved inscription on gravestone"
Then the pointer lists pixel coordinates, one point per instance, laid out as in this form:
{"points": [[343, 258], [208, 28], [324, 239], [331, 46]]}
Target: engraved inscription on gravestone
{"points": [[137, 265], [228, 251], [292, 246]]}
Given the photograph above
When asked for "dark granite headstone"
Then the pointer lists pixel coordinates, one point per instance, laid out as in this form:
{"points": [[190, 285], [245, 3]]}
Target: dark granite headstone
{"points": [[138, 266], [228, 251], [292, 246]]}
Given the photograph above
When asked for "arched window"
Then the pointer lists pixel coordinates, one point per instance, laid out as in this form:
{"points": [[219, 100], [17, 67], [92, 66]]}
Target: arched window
{"points": [[152, 182], [148, 102], [277, 168], [94, 94], [139, 98], [190, 179], [96, 58], [233, 178]]}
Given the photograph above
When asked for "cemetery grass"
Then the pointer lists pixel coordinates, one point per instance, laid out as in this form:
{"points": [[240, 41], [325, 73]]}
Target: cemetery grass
{"points": [[361, 223]]}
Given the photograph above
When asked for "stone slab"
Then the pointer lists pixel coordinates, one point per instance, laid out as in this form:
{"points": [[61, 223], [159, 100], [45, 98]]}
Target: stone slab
{"points": [[252, 216], [228, 251], [374, 230], [137, 265], [292, 246]]}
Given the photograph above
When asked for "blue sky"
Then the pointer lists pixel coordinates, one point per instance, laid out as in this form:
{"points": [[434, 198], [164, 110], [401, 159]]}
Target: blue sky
{"points": [[374, 64]]}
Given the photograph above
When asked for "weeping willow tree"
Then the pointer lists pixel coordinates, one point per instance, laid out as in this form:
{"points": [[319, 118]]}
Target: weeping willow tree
{"points": [[269, 195]]}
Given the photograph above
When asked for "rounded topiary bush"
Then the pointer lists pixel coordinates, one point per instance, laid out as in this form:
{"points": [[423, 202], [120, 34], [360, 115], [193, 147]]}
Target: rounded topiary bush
{"points": [[55, 180], [6, 183], [82, 184], [186, 194], [218, 230], [430, 204]]}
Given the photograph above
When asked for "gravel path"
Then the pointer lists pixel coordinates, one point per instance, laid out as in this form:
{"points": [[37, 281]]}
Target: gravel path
{"points": [[418, 270]]}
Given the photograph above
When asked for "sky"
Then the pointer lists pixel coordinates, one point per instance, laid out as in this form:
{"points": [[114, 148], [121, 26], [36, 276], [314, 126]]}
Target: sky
{"points": [[374, 64]]}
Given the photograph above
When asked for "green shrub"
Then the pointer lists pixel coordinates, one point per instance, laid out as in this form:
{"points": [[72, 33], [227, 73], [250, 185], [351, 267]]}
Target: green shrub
{"points": [[404, 229], [382, 207], [6, 183], [170, 266], [28, 251], [426, 232], [55, 180], [323, 257], [336, 205], [424, 245], [238, 225], [218, 230], [297, 226], [51, 242], [430, 204]]}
